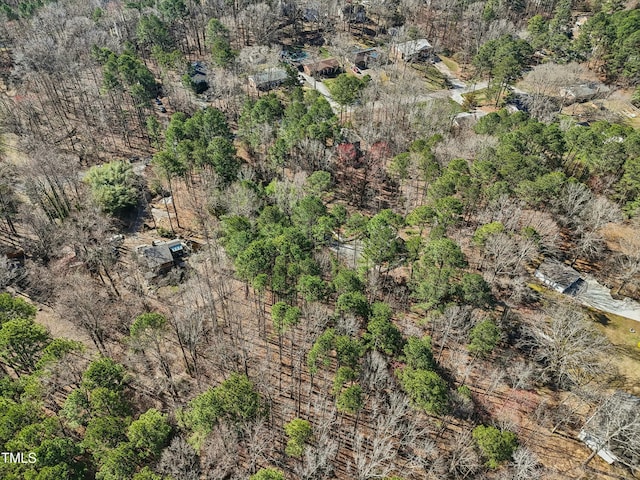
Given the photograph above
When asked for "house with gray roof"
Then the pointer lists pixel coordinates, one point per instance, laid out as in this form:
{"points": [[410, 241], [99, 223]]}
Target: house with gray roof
{"points": [[583, 92], [560, 277], [268, 80], [412, 50]]}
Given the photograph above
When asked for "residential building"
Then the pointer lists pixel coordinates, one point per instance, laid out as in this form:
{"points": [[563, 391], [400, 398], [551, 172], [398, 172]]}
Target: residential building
{"points": [[560, 277], [413, 50], [268, 80]]}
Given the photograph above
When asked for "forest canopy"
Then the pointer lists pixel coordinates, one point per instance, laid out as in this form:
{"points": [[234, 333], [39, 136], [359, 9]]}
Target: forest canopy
{"points": [[319, 240]]}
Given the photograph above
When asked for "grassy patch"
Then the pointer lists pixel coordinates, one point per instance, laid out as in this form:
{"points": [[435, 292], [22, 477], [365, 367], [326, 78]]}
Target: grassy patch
{"points": [[537, 287], [455, 106], [482, 97], [432, 75], [620, 331], [329, 82], [451, 64], [324, 53], [627, 344]]}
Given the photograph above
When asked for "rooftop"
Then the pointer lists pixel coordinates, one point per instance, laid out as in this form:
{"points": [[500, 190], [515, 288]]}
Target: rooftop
{"points": [[199, 78], [160, 254], [413, 46], [371, 52], [155, 255], [585, 90], [327, 63], [559, 273], [357, 49], [268, 76]]}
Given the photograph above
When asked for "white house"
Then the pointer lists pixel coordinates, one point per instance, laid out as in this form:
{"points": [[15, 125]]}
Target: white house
{"points": [[560, 277]]}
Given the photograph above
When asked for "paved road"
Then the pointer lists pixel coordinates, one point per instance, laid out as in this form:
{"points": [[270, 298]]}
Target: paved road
{"points": [[453, 80], [460, 88]]}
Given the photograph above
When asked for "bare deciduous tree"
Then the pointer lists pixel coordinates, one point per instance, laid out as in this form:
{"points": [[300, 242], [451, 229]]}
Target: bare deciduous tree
{"points": [[589, 245], [180, 460], [8, 272], [61, 376], [546, 228], [507, 254], [9, 201], [505, 210], [570, 349], [189, 324], [522, 374], [44, 237], [452, 325], [372, 461], [523, 466], [260, 443], [628, 262], [615, 427], [546, 81], [260, 23], [600, 211], [573, 201], [318, 458], [375, 371], [87, 305], [220, 452], [463, 461], [311, 155]]}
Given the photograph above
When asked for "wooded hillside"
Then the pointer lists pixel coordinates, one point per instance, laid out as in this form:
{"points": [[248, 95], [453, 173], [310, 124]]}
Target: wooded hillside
{"points": [[386, 239]]}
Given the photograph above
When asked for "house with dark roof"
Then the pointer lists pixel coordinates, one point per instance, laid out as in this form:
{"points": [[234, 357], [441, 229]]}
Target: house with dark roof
{"points": [[583, 92], [363, 57], [311, 15], [353, 13], [560, 277], [161, 257], [198, 77]]}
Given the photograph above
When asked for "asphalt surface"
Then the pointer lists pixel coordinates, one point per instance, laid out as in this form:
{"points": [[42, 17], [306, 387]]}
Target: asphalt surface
{"points": [[599, 297]]}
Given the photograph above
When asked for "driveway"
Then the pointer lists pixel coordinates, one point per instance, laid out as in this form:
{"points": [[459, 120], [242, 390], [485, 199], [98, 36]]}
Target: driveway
{"points": [[600, 298], [460, 87], [350, 253], [322, 88], [455, 82]]}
